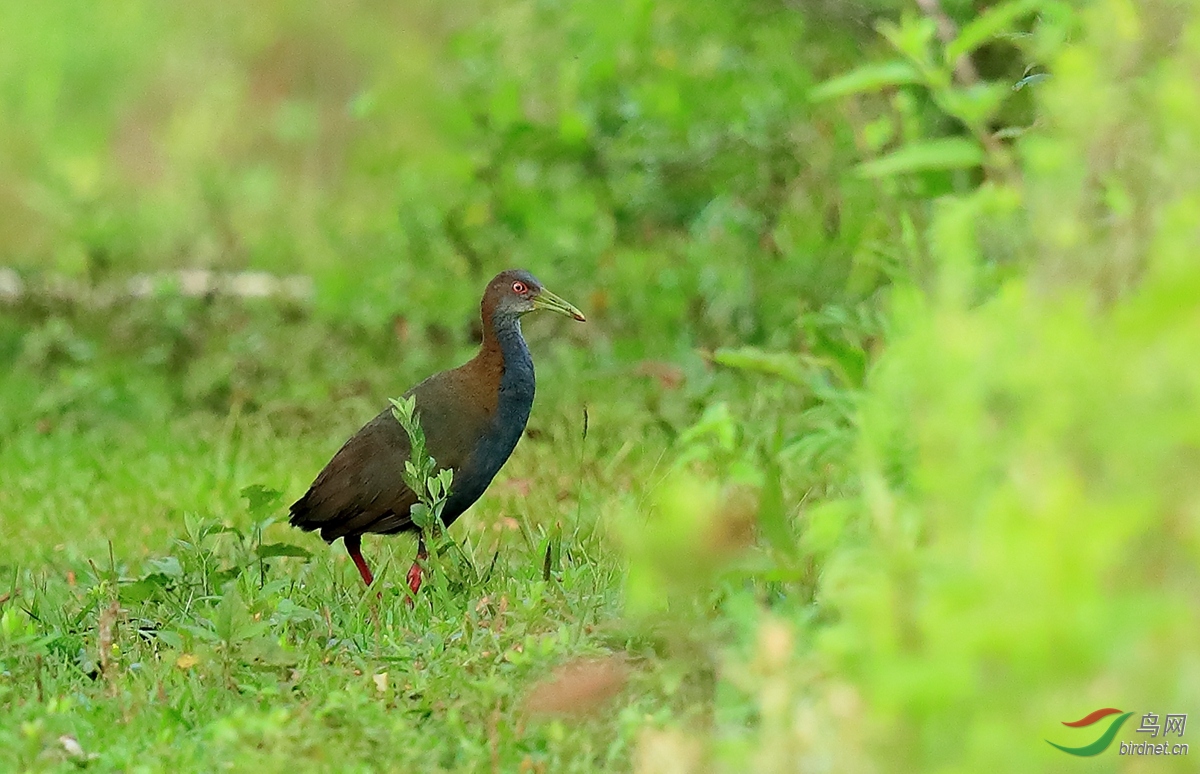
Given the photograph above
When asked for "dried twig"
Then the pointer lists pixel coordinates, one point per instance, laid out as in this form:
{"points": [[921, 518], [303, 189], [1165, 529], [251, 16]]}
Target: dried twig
{"points": [[105, 635]]}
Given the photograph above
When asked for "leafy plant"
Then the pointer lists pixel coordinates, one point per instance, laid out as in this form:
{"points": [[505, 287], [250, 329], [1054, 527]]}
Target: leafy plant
{"points": [[935, 58], [433, 491]]}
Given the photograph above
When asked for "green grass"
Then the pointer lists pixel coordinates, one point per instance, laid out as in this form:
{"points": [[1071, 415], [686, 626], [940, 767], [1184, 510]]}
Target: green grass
{"points": [[286, 652], [124, 510], [889, 466]]}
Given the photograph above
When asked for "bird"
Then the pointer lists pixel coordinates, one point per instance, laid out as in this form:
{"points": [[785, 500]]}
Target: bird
{"points": [[472, 417]]}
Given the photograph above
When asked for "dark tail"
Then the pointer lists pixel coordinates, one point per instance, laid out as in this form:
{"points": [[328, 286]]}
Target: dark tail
{"points": [[301, 512]]}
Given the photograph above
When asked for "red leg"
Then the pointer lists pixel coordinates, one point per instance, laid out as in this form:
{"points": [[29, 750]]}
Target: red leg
{"points": [[353, 544], [415, 572]]}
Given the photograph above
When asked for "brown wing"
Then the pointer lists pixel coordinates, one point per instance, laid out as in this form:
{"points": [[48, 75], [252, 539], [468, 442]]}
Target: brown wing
{"points": [[362, 488]]}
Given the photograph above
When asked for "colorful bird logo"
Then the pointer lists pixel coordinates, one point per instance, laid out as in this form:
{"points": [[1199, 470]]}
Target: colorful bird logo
{"points": [[1101, 744]]}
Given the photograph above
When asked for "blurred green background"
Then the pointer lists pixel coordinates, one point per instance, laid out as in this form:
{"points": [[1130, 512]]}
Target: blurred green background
{"points": [[879, 450]]}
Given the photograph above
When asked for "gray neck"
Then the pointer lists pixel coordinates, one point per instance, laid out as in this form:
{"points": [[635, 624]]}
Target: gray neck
{"points": [[513, 404], [517, 380]]}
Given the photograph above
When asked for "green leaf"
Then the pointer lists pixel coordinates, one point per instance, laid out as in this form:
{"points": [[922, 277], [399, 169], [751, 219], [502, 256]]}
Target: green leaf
{"points": [[445, 477], [260, 499], [942, 153], [1011, 132], [402, 408], [1030, 80], [871, 77], [281, 549], [419, 514], [782, 364], [221, 577], [168, 566], [267, 652], [169, 638], [772, 512], [232, 623], [142, 589], [202, 633], [231, 616], [992, 23], [912, 37], [289, 611], [716, 426], [975, 105], [825, 525]]}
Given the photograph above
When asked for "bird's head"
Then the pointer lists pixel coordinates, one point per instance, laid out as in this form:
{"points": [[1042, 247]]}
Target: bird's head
{"points": [[517, 292]]}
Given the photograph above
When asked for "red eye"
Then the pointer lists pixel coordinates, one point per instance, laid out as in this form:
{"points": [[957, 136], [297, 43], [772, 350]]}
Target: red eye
{"points": [[519, 288]]}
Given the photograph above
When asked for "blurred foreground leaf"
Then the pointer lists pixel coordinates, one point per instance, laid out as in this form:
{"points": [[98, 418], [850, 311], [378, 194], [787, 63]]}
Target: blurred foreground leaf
{"points": [[869, 77], [942, 153]]}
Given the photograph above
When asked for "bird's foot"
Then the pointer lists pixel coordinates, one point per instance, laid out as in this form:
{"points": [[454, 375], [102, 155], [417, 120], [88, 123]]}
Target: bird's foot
{"points": [[415, 575]]}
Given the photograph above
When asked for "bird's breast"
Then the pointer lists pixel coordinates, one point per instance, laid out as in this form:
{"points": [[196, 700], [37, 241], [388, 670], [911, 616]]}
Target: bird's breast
{"points": [[514, 400]]}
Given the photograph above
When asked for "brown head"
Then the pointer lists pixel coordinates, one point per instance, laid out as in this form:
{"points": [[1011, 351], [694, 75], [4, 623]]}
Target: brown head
{"points": [[516, 292]]}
